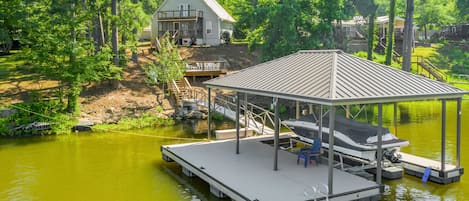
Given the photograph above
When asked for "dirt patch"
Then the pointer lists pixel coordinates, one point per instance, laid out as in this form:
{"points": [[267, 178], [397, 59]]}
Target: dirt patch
{"points": [[109, 101]]}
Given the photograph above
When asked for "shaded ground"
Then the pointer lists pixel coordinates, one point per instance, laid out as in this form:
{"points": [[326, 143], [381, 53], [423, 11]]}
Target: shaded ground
{"points": [[107, 102]]}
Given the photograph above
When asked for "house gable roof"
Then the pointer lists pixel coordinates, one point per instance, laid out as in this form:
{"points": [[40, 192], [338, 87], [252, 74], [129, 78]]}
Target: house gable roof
{"points": [[332, 77], [219, 10]]}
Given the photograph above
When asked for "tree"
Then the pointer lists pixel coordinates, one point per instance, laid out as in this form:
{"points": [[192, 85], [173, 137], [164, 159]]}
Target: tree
{"points": [[291, 25], [463, 8], [367, 8], [408, 36], [390, 40], [11, 13], [115, 33], [168, 65], [430, 14], [57, 46]]}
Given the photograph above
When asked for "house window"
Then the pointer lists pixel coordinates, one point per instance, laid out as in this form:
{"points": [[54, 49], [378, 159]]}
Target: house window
{"points": [[181, 10], [209, 27]]}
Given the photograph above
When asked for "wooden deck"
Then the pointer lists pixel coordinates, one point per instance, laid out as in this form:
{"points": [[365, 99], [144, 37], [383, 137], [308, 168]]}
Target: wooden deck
{"points": [[249, 175], [205, 69]]}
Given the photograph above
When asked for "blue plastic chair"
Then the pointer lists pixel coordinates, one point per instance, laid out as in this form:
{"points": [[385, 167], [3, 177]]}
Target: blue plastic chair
{"points": [[310, 154]]}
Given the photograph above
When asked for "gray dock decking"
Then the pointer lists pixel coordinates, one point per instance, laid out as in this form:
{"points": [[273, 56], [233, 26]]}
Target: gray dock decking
{"points": [[249, 175]]}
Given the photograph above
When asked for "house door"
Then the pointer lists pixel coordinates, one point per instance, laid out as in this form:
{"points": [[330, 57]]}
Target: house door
{"points": [[176, 27]]}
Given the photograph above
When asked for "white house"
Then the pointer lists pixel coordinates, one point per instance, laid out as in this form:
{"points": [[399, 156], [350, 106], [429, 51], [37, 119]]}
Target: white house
{"points": [[203, 22]]}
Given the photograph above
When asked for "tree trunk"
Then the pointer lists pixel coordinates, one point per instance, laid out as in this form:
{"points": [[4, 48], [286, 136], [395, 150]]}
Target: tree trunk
{"points": [[371, 35], [425, 30], [98, 33], [254, 23], [72, 96], [389, 46], [135, 32], [408, 36], [115, 35]]}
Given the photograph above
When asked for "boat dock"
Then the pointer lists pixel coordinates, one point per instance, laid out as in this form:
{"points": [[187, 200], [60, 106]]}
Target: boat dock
{"points": [[249, 175], [416, 166]]}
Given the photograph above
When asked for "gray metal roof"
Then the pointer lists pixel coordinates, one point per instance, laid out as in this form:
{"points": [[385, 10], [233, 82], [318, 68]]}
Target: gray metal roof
{"points": [[332, 77]]}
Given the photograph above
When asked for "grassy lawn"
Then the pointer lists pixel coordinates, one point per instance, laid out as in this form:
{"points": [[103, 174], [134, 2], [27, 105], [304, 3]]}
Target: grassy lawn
{"points": [[9, 66], [16, 79]]}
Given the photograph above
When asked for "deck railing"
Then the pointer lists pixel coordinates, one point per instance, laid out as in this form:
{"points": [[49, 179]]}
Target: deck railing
{"points": [[170, 14], [205, 66]]}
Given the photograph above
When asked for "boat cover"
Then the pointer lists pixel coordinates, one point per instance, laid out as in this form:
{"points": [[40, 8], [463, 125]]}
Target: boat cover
{"points": [[357, 131]]}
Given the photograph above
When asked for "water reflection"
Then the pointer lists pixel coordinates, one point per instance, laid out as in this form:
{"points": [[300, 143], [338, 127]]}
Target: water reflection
{"points": [[122, 166]]}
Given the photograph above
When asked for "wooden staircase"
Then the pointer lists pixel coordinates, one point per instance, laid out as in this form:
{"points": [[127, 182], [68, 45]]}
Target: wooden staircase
{"points": [[181, 90], [423, 63], [431, 69]]}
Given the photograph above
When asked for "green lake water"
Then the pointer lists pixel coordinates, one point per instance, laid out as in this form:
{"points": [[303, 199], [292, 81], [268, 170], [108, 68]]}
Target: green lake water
{"points": [[128, 165]]}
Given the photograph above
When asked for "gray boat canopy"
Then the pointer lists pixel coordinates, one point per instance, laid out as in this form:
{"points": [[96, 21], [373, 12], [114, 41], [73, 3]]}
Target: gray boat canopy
{"points": [[332, 77]]}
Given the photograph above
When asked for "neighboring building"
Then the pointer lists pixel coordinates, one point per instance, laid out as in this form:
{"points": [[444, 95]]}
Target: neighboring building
{"points": [[356, 27], [202, 22], [145, 35], [383, 24]]}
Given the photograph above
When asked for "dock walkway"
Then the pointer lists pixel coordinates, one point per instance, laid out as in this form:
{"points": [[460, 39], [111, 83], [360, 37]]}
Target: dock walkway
{"points": [[415, 165]]}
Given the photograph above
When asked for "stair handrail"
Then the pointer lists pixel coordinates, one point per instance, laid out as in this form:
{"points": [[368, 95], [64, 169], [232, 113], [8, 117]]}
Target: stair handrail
{"points": [[187, 84], [174, 85]]}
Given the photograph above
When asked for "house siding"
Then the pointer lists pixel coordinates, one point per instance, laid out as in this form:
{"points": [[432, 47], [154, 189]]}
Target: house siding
{"points": [[212, 38]]}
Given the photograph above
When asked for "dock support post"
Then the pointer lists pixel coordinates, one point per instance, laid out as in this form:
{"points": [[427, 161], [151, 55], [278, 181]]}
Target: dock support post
{"points": [[209, 100], [297, 110], [276, 134], [458, 132], [237, 122], [380, 143], [395, 119], [245, 115], [321, 110], [331, 149], [443, 135]]}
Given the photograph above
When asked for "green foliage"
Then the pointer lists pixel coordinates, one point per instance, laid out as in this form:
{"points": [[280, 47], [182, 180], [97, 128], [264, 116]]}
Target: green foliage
{"points": [[11, 13], [58, 47], [378, 58], [456, 57], [37, 111], [284, 27], [463, 8], [167, 66], [127, 123], [433, 14], [217, 116]]}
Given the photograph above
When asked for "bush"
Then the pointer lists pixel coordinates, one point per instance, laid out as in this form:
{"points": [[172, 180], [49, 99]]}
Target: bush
{"points": [[37, 111], [127, 123]]}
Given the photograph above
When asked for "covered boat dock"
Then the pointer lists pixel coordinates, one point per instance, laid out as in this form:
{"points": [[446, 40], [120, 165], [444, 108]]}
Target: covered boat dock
{"points": [[328, 78]]}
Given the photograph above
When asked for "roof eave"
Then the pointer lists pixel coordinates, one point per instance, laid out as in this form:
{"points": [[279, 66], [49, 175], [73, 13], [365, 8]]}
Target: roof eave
{"points": [[338, 102]]}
